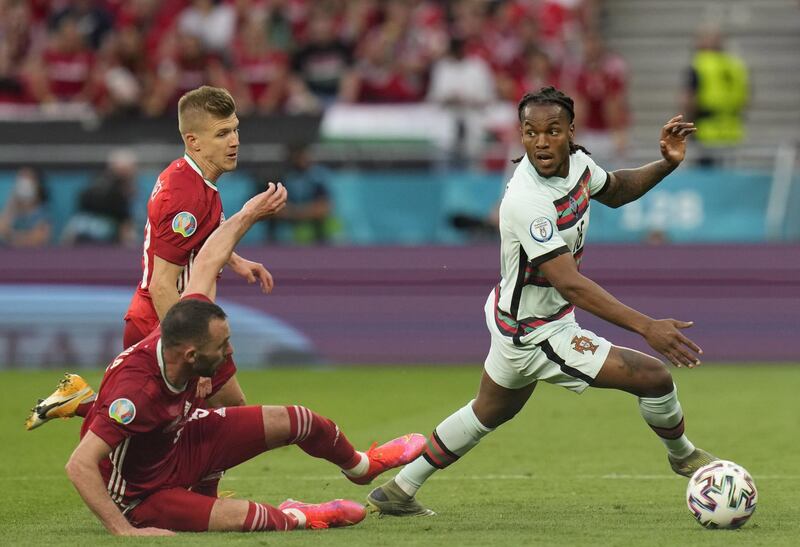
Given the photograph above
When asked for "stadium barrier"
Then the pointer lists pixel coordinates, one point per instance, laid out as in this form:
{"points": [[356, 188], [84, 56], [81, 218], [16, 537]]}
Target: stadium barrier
{"points": [[418, 207], [424, 305]]}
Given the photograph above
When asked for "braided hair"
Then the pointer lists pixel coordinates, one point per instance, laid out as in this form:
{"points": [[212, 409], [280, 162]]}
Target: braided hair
{"points": [[550, 95]]}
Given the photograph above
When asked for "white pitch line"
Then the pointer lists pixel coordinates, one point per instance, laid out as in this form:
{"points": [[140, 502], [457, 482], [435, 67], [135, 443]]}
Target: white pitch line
{"points": [[505, 477], [452, 477]]}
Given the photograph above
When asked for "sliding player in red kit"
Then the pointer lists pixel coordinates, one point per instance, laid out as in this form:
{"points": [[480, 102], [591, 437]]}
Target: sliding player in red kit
{"points": [[146, 445]]}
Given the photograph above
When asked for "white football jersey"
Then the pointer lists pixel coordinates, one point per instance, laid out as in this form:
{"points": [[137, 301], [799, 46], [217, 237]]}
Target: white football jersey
{"points": [[540, 218]]}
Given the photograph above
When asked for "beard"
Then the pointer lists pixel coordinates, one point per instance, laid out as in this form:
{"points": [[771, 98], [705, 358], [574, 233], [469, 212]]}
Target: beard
{"points": [[206, 367]]}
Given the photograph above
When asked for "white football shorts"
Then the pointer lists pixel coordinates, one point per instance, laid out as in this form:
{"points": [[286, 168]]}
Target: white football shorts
{"points": [[571, 357]]}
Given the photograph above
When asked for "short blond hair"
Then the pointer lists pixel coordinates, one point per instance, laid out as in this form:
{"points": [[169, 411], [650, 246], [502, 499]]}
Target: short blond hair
{"points": [[214, 101]]}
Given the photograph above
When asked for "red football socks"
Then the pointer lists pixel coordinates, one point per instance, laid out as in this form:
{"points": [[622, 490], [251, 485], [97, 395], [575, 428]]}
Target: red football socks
{"points": [[262, 517], [320, 437]]}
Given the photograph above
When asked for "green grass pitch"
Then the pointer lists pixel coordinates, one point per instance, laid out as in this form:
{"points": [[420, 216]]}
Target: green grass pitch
{"points": [[569, 470]]}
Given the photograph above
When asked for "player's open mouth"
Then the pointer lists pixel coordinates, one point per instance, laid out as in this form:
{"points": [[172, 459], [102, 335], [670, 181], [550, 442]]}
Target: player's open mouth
{"points": [[545, 160], [233, 156]]}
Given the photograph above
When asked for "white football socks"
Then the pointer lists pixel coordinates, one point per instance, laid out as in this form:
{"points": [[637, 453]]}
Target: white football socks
{"points": [[666, 413], [361, 467], [459, 433]]}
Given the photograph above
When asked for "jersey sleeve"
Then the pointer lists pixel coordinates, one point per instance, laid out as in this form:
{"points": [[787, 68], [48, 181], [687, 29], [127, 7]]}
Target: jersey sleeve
{"points": [[124, 411], [174, 223], [599, 178], [533, 222]]}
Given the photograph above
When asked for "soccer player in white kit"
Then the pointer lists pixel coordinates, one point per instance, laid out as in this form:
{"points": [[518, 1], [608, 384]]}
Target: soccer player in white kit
{"points": [[544, 218]]}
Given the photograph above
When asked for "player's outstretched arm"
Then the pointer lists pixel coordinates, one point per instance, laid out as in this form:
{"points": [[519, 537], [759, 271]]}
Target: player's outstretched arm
{"points": [[82, 469], [663, 335], [627, 185], [217, 249]]}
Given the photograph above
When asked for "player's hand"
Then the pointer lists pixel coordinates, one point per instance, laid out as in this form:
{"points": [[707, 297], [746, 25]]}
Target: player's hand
{"points": [[204, 387], [252, 272], [664, 336], [147, 532], [268, 202], [673, 139]]}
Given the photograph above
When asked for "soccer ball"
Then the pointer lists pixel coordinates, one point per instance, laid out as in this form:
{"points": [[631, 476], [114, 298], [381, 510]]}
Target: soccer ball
{"points": [[721, 494]]}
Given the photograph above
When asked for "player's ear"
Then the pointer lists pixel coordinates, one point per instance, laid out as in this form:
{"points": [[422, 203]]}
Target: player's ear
{"points": [[191, 141], [190, 354]]}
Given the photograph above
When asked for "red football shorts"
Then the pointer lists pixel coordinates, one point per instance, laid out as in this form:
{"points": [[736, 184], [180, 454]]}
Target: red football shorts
{"points": [[212, 441], [140, 320]]}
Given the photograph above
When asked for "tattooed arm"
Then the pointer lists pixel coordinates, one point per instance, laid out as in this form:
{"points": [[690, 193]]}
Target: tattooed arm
{"points": [[627, 185]]}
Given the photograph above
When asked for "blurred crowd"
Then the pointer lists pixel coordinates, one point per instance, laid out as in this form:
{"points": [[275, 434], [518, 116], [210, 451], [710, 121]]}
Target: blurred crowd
{"points": [[136, 58], [104, 209], [123, 57]]}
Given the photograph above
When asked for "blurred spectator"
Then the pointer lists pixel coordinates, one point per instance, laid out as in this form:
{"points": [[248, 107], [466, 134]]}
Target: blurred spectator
{"points": [[562, 23], [64, 71], [104, 208], [24, 221], [93, 20], [538, 71], [261, 71], [324, 61], [275, 15], [212, 21], [155, 21], [359, 17], [186, 66], [379, 76], [124, 71], [717, 93], [416, 30], [308, 209], [464, 85], [601, 104], [656, 237], [15, 43]]}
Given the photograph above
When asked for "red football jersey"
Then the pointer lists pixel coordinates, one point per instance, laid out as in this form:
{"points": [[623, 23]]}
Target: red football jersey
{"points": [[183, 210], [140, 415]]}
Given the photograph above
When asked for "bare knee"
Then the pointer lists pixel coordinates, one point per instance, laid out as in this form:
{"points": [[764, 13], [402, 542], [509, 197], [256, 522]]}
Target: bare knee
{"points": [[634, 372], [277, 426], [494, 411], [228, 515], [657, 380], [495, 405]]}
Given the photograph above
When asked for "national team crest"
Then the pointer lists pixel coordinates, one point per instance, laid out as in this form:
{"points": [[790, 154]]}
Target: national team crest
{"points": [[573, 205], [541, 229], [184, 223], [122, 411], [583, 344]]}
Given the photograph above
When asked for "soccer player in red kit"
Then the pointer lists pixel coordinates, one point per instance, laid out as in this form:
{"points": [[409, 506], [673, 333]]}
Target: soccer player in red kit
{"points": [[145, 444], [183, 209]]}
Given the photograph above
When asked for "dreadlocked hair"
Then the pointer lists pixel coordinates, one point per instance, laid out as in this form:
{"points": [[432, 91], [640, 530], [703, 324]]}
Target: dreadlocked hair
{"points": [[550, 95]]}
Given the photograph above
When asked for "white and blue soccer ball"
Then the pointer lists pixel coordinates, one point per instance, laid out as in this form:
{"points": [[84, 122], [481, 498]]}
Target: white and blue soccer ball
{"points": [[722, 494]]}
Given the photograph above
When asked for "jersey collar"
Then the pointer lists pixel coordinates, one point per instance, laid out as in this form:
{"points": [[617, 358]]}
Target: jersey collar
{"points": [[196, 168], [162, 368]]}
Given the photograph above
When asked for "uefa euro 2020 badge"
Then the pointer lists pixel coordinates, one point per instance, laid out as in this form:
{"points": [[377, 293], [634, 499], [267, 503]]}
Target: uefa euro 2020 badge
{"points": [[541, 229], [184, 223], [122, 411]]}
